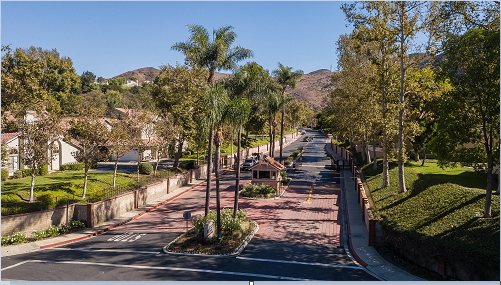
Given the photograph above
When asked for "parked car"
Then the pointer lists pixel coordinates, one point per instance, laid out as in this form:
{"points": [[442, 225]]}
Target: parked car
{"points": [[308, 139], [249, 161]]}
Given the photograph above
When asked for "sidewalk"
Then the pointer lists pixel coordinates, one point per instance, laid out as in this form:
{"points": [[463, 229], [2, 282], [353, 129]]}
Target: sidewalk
{"points": [[358, 236]]}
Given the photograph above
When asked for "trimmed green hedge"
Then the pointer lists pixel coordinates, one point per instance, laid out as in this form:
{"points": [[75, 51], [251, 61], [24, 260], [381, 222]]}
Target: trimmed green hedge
{"points": [[40, 171], [145, 168]]}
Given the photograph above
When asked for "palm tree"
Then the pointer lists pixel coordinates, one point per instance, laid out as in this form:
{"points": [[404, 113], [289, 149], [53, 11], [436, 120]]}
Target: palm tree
{"points": [[213, 55], [214, 105], [272, 106], [237, 115], [286, 77]]}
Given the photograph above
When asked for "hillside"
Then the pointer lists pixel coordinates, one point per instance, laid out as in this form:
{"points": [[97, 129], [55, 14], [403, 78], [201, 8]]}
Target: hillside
{"points": [[312, 87]]}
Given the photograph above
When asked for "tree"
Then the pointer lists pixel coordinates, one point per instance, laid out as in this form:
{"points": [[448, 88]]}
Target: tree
{"points": [[181, 81], [117, 81], [285, 78], [165, 131], [101, 79], [31, 76], [120, 138], [87, 78], [133, 78], [217, 54], [469, 113], [214, 105], [92, 136], [37, 139], [373, 19]]}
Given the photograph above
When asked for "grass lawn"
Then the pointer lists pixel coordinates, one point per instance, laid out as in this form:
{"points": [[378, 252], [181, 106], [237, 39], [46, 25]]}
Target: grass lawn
{"points": [[439, 215]]}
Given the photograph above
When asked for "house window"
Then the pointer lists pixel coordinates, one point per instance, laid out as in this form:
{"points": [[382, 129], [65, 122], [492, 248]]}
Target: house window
{"points": [[55, 151], [264, 175], [254, 174]]}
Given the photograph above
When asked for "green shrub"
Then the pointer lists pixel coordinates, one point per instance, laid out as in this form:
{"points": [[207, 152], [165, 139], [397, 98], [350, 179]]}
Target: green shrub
{"points": [[145, 168], [228, 224], [258, 191], [5, 174], [14, 239], [43, 169], [26, 172], [18, 174], [73, 166], [10, 198]]}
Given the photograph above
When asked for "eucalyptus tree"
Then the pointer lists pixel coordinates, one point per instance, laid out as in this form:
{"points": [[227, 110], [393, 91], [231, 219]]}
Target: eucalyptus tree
{"points": [[373, 19], [285, 77]]}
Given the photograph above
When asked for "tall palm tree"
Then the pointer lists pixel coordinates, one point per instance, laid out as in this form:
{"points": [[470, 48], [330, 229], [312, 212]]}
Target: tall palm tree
{"points": [[215, 54], [237, 114], [285, 78], [214, 105], [272, 106]]}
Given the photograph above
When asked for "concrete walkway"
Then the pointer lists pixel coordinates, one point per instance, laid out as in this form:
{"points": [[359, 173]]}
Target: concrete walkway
{"points": [[358, 236]]}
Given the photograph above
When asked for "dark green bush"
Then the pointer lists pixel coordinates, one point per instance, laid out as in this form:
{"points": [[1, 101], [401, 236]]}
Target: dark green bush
{"points": [[26, 172], [145, 168], [5, 174]]}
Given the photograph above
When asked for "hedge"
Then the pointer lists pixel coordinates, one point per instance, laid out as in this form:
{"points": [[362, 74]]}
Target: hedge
{"points": [[73, 166]]}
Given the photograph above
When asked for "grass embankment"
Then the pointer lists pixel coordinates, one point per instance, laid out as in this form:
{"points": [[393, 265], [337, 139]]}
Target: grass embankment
{"points": [[439, 216]]}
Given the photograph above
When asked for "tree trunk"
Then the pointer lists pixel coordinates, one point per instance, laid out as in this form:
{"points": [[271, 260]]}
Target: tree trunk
{"points": [[158, 161], [246, 137], [115, 171], [401, 174], [488, 192], [270, 135], [374, 150], [218, 142], [237, 183], [32, 187], [386, 177], [282, 134], [85, 181], [138, 161], [424, 156], [274, 139], [198, 157], [209, 174], [178, 154]]}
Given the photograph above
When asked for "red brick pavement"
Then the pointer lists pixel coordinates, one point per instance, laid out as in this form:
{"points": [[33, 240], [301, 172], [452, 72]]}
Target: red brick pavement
{"points": [[289, 218]]}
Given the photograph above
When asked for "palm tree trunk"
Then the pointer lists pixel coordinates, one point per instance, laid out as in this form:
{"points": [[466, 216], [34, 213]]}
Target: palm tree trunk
{"points": [[218, 142], [270, 137], [282, 133], [237, 184], [246, 136], [209, 173]]}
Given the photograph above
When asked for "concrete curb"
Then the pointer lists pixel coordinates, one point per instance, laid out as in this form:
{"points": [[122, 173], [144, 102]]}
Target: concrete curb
{"points": [[235, 253]]}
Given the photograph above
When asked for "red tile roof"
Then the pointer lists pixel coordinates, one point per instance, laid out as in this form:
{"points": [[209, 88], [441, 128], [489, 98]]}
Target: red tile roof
{"points": [[9, 136], [269, 161]]}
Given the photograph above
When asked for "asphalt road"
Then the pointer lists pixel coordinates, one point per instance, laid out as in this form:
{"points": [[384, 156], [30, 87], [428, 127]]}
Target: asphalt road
{"points": [[299, 238]]}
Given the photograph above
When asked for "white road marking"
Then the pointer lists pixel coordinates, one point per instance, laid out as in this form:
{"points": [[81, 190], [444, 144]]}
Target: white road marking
{"points": [[109, 250], [17, 264], [299, 262], [130, 237], [165, 268]]}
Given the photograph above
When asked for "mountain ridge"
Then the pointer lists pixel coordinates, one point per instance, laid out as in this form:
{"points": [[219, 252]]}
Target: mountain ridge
{"points": [[311, 89]]}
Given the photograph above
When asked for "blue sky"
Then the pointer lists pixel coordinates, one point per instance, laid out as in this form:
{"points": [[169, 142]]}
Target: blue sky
{"points": [[110, 38]]}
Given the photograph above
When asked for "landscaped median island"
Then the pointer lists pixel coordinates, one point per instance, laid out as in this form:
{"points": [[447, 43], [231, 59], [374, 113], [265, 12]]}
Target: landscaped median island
{"points": [[235, 234], [438, 219], [263, 191]]}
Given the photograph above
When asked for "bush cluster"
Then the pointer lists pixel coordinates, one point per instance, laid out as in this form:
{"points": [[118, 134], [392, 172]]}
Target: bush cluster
{"points": [[288, 160], [5, 174], [73, 166], [41, 234], [228, 224], [258, 191], [145, 168], [42, 170]]}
